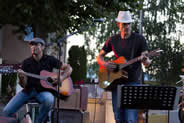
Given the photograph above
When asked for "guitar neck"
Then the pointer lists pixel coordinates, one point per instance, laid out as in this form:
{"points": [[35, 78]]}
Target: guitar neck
{"points": [[133, 61], [35, 76], [130, 62]]}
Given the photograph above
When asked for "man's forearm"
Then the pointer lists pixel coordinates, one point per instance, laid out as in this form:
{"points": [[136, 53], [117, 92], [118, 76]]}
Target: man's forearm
{"points": [[67, 70], [23, 81], [100, 60], [67, 85]]}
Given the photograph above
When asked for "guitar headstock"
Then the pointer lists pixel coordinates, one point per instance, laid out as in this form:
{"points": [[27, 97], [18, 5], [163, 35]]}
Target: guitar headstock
{"points": [[155, 52], [9, 68]]}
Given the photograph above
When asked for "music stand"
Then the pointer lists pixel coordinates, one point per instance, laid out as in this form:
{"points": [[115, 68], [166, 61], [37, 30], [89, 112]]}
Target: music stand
{"points": [[148, 97]]}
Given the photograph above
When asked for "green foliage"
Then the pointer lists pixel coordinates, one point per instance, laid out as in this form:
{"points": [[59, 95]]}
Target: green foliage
{"points": [[78, 61], [164, 34], [9, 84], [55, 15]]}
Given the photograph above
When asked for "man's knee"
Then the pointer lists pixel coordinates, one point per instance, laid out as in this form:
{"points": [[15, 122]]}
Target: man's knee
{"points": [[49, 101]]}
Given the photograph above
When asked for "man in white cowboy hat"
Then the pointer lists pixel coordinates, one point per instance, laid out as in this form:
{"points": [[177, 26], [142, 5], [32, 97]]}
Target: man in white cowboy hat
{"points": [[129, 45]]}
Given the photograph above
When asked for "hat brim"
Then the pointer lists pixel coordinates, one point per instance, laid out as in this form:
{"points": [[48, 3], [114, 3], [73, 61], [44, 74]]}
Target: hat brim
{"points": [[36, 42], [121, 21]]}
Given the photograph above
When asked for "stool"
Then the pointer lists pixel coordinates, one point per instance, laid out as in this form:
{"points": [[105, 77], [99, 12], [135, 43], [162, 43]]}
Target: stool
{"points": [[32, 106]]}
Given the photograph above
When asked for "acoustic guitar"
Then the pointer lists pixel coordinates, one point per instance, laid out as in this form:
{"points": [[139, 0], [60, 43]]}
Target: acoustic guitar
{"points": [[106, 77], [47, 79]]}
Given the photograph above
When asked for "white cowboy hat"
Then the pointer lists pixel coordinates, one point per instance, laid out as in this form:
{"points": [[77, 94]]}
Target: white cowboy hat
{"points": [[124, 17]]}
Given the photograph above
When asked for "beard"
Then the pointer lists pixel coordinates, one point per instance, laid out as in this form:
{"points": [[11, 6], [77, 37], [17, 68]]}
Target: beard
{"points": [[125, 34], [34, 52]]}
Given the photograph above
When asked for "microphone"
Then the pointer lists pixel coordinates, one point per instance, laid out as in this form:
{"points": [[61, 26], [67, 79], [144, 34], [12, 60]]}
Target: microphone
{"points": [[98, 20]]}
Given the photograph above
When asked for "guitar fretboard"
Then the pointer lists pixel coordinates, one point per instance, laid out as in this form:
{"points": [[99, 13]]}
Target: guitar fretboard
{"points": [[36, 76], [135, 60]]}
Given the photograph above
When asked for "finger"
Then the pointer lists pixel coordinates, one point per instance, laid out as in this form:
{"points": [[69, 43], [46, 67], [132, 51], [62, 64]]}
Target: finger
{"points": [[20, 71], [21, 76], [64, 66]]}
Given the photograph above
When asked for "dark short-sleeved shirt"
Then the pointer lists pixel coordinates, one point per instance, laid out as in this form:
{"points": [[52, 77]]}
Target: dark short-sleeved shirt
{"points": [[30, 65], [124, 47]]}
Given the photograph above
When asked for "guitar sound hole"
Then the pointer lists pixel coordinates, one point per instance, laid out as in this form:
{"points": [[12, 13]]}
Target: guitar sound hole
{"points": [[49, 79]]}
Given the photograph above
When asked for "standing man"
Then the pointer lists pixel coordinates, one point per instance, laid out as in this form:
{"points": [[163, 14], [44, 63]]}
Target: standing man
{"points": [[129, 45], [32, 87]]}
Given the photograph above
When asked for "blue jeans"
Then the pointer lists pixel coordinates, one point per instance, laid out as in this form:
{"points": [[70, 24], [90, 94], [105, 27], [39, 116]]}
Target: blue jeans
{"points": [[123, 115], [45, 98]]}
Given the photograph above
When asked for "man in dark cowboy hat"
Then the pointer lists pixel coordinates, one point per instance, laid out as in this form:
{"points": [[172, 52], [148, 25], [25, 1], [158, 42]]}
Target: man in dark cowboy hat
{"points": [[129, 45], [32, 87]]}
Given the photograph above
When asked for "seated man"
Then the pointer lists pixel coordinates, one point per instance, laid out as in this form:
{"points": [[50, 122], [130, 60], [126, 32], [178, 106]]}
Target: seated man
{"points": [[33, 87]]}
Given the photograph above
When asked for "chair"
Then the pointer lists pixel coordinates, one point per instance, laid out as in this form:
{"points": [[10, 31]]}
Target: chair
{"points": [[32, 108]]}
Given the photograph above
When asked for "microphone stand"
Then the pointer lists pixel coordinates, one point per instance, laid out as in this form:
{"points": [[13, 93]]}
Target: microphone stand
{"points": [[59, 44]]}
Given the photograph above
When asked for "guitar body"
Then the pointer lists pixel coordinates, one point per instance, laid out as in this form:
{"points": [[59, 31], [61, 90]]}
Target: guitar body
{"points": [[107, 77], [63, 89]]}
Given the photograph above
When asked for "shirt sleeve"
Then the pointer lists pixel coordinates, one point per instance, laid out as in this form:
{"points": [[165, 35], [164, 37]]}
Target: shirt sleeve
{"points": [[108, 45], [56, 63], [24, 67]]}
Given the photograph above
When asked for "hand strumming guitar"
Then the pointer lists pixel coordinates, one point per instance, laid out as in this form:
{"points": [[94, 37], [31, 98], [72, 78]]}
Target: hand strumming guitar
{"points": [[110, 66], [145, 59], [66, 71], [22, 78]]}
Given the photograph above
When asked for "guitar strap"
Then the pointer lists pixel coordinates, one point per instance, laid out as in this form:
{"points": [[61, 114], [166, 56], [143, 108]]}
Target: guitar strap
{"points": [[132, 53]]}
